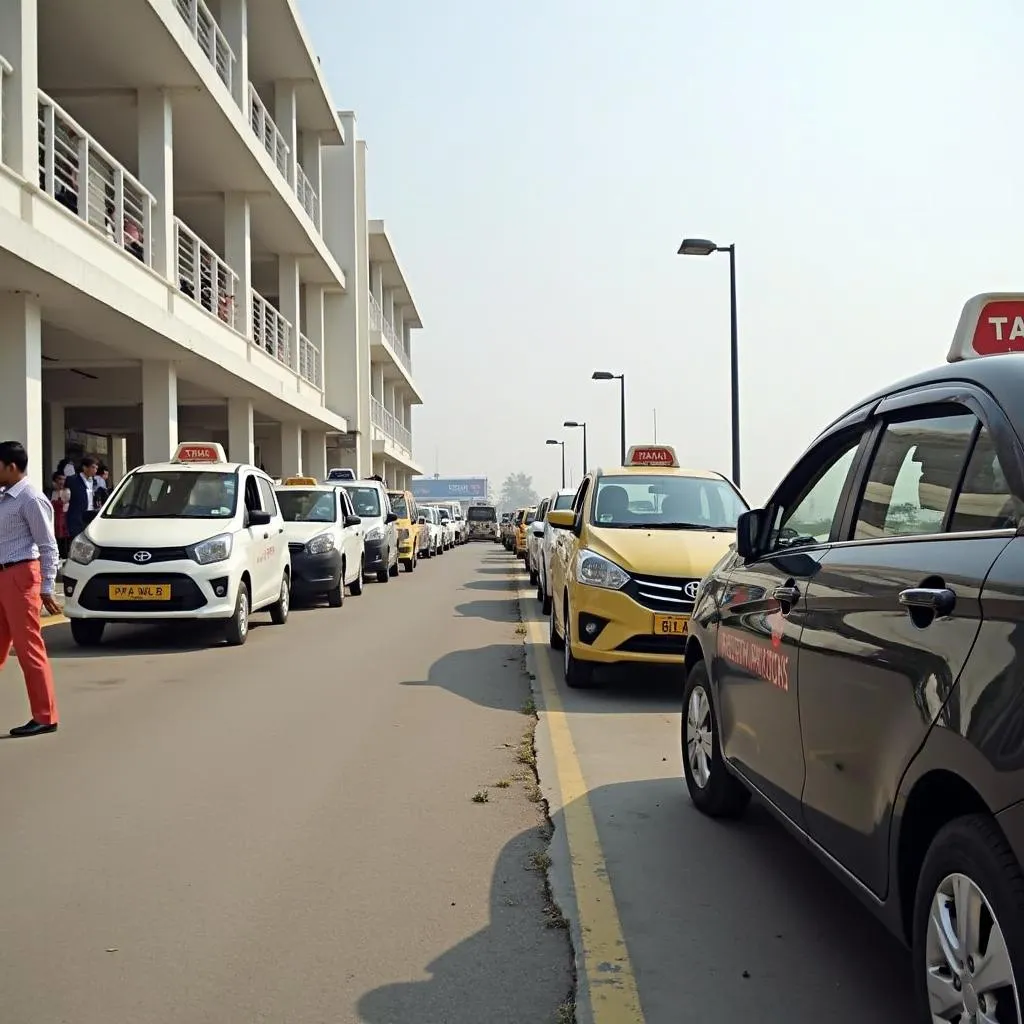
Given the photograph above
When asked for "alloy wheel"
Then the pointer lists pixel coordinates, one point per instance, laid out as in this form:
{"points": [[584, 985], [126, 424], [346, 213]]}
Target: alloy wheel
{"points": [[698, 736], [243, 612]]}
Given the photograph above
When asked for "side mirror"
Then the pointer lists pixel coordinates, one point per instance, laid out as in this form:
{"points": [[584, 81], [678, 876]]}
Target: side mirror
{"points": [[353, 521], [422, 521], [391, 518], [538, 528], [749, 533], [562, 519], [259, 518]]}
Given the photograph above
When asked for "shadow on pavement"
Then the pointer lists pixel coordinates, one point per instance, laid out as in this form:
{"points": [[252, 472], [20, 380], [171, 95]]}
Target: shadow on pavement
{"points": [[498, 584], [132, 641], [503, 610], [517, 970], [459, 674]]}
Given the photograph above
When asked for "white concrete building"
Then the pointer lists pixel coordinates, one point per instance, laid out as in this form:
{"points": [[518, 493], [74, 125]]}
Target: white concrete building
{"points": [[184, 251]]}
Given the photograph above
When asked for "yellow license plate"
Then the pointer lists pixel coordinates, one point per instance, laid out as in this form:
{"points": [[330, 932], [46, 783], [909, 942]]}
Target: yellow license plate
{"points": [[671, 625], [139, 592]]}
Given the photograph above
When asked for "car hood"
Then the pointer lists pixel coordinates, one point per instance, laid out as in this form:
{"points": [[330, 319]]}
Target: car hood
{"points": [[687, 553], [157, 533], [302, 533]]}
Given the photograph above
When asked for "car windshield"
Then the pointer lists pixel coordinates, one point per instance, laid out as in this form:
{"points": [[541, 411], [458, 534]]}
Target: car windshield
{"points": [[666, 502], [299, 506], [530, 516], [399, 505], [365, 499], [481, 515], [175, 494], [563, 501]]}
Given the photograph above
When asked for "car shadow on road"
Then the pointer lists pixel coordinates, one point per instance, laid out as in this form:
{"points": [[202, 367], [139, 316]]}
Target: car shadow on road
{"points": [[132, 641], [503, 610], [497, 585], [459, 674], [516, 970]]}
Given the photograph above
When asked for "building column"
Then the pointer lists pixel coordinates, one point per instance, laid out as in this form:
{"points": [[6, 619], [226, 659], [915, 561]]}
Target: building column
{"points": [[312, 164], [377, 284], [20, 97], [289, 290], [314, 453], [21, 378], [234, 23], [238, 254], [159, 410], [286, 117], [241, 439], [156, 172], [58, 435], [118, 458], [291, 450], [388, 306]]}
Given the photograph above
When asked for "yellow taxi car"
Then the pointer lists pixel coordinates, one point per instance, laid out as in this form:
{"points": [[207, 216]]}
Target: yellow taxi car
{"points": [[403, 504], [629, 556], [524, 517]]}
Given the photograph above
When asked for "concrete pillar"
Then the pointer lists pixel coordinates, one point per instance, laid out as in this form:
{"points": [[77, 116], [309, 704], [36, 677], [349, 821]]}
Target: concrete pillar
{"points": [[156, 172], [291, 450], [241, 440], [18, 34], [159, 410], [289, 291], [234, 23], [398, 322], [285, 115], [314, 453], [376, 282], [21, 378], [238, 254], [312, 164], [58, 435], [118, 458]]}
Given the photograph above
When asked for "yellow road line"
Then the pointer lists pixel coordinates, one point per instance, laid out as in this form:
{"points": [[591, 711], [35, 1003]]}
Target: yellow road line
{"points": [[610, 980], [52, 620]]}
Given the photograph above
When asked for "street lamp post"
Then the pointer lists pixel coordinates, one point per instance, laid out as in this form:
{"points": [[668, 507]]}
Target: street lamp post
{"points": [[562, 443], [704, 247], [583, 426], [621, 378]]}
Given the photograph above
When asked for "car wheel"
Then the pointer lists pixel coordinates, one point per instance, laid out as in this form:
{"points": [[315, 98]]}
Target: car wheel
{"points": [[713, 789], [540, 587], [236, 630], [356, 586], [383, 576], [393, 571], [554, 637], [410, 564], [578, 674], [968, 935], [336, 597], [280, 608], [87, 632]]}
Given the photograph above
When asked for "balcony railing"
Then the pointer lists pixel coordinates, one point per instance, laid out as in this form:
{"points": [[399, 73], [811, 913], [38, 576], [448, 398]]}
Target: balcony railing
{"points": [[307, 196], [204, 277], [81, 175], [309, 362], [270, 331], [5, 70], [378, 322], [267, 131], [205, 30], [387, 422]]}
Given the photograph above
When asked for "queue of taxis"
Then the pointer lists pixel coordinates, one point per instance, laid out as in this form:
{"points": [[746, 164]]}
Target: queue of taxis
{"points": [[523, 518]]}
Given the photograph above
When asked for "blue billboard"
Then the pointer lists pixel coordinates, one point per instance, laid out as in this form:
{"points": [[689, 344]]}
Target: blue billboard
{"points": [[459, 488]]}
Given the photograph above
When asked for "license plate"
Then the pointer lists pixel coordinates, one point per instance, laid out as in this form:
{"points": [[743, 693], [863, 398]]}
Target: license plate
{"points": [[139, 592], [671, 625]]}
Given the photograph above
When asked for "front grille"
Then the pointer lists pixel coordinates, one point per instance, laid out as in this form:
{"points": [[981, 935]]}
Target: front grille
{"points": [[654, 644], [661, 593], [185, 595], [156, 555]]}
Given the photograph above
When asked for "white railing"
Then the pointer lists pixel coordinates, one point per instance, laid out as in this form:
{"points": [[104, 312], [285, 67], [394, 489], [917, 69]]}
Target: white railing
{"points": [[378, 322], [309, 362], [204, 277], [267, 131], [205, 30], [307, 196], [81, 175], [5, 70], [271, 332], [387, 422]]}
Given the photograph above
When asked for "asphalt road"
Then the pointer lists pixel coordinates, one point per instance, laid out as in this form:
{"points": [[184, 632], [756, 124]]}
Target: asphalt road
{"points": [[285, 832], [675, 917]]}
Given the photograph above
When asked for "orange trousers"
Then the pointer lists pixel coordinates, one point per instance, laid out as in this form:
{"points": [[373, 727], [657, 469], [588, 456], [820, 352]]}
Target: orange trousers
{"points": [[20, 607]]}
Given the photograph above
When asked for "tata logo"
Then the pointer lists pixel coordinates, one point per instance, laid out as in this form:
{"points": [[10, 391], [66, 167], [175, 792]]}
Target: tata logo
{"points": [[142, 557], [691, 589]]}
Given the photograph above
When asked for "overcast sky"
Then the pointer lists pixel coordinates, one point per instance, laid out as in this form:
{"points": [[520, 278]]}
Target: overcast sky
{"points": [[538, 162]]}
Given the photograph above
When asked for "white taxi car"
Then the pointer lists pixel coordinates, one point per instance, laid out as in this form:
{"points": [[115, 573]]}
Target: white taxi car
{"points": [[194, 538]]}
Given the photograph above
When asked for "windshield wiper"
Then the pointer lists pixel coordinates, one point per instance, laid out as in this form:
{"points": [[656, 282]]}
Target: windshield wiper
{"points": [[664, 526]]}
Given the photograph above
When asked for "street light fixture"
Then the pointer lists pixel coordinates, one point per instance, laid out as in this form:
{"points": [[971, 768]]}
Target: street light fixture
{"points": [[583, 427], [705, 247], [562, 443], [621, 378]]}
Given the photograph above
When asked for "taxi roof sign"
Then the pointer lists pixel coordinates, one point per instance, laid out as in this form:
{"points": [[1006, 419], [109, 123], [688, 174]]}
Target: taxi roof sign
{"points": [[990, 323], [663, 455], [301, 481], [201, 451]]}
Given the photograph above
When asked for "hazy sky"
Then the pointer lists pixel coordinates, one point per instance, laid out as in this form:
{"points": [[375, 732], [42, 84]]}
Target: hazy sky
{"points": [[537, 164]]}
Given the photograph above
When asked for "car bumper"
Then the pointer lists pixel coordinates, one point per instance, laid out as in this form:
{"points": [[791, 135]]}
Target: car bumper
{"points": [[375, 556], [315, 574], [405, 548]]}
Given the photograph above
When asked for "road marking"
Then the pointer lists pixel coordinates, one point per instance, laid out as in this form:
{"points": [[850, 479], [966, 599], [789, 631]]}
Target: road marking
{"points": [[611, 984], [52, 620]]}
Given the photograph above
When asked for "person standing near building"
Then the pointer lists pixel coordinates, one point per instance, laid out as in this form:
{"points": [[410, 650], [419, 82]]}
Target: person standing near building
{"points": [[81, 486], [28, 571]]}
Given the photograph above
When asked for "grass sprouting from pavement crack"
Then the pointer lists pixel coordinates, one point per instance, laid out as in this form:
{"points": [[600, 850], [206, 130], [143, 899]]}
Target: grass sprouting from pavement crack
{"points": [[503, 784], [481, 797]]}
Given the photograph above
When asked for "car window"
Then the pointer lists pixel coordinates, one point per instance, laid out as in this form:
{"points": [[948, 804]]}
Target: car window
{"points": [[366, 500], [984, 501], [267, 496], [167, 494], [653, 501], [563, 501], [913, 475], [581, 494], [399, 506], [809, 519], [252, 494], [302, 506]]}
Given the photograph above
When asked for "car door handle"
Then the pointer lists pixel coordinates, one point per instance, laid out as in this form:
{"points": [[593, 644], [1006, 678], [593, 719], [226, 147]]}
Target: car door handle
{"points": [[788, 594], [938, 600], [266, 536]]}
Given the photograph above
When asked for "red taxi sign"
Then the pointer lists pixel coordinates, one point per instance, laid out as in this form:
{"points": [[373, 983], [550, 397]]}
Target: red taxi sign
{"points": [[652, 455], [989, 324], [193, 451]]}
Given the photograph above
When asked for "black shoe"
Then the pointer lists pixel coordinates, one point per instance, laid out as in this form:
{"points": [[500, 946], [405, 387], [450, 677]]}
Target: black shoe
{"points": [[33, 728]]}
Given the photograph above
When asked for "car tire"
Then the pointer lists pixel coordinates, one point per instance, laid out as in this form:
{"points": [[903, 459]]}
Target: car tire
{"points": [[355, 588], [969, 861], [554, 637], [393, 570], [236, 629], [280, 608], [410, 564], [87, 632], [336, 597], [383, 576], [540, 588], [713, 789], [579, 675]]}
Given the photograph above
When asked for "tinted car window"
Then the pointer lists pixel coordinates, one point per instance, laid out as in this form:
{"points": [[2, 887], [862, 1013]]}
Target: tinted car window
{"points": [[399, 506], [810, 519], [366, 500], [267, 496], [300, 506], [480, 514], [984, 501], [563, 501]]}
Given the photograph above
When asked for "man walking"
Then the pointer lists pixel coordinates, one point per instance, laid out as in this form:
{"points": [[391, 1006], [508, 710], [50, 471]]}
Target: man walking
{"points": [[28, 570]]}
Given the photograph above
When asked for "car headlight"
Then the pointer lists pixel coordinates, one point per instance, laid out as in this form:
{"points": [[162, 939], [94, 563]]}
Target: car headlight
{"points": [[321, 544], [82, 550], [216, 549], [597, 571], [374, 533]]}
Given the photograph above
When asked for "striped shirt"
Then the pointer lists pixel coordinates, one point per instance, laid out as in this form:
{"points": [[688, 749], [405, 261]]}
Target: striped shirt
{"points": [[26, 530]]}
